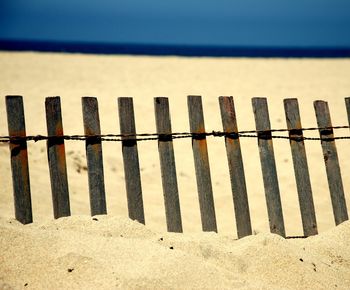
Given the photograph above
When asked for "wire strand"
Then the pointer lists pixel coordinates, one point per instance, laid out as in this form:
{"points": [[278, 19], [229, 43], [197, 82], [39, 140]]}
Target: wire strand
{"points": [[294, 134]]}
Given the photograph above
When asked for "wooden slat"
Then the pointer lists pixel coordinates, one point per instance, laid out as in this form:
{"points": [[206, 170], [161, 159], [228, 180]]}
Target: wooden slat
{"points": [[330, 156], [131, 160], [167, 164], [235, 163], [19, 159], [57, 158], [347, 103], [94, 156], [301, 170], [201, 162], [268, 166]]}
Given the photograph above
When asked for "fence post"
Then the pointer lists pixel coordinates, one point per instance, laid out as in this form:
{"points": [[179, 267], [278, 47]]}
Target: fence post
{"points": [[19, 159], [347, 103], [57, 158], [330, 156], [131, 160], [235, 164], [167, 164], [268, 166], [301, 170], [94, 156], [201, 162]]}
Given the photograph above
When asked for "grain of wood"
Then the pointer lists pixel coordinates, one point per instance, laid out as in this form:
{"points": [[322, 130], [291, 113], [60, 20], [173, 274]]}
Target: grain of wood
{"points": [[301, 170], [94, 158], [57, 158], [201, 162], [167, 164], [236, 168], [330, 156], [131, 160], [19, 159], [268, 166]]}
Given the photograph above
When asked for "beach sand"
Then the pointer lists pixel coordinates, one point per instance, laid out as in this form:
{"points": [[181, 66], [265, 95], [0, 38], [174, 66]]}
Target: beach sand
{"points": [[42, 253]]}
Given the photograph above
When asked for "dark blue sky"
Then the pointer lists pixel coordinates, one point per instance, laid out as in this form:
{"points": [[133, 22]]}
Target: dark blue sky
{"points": [[195, 22]]}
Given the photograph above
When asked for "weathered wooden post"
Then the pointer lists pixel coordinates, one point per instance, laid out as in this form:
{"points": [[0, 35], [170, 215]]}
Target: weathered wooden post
{"points": [[167, 165], [201, 162], [235, 164], [347, 103], [57, 158], [330, 156], [301, 170], [268, 166], [131, 160], [19, 159], [94, 156]]}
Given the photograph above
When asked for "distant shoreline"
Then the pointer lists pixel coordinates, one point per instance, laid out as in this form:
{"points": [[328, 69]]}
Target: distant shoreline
{"points": [[176, 50]]}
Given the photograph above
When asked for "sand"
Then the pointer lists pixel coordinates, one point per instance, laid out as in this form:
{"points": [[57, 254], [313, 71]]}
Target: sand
{"points": [[42, 253], [111, 252]]}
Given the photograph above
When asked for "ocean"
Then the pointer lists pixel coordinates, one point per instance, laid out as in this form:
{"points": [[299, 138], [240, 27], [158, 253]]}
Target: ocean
{"points": [[178, 50]]}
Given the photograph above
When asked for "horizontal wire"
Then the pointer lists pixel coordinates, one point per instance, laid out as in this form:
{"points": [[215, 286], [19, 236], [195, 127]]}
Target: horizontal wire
{"points": [[265, 134]]}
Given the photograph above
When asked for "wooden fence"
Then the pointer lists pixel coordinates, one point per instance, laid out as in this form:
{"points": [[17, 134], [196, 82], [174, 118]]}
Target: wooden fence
{"points": [[58, 171]]}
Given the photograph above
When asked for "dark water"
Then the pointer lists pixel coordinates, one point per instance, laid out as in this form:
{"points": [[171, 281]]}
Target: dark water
{"points": [[180, 50]]}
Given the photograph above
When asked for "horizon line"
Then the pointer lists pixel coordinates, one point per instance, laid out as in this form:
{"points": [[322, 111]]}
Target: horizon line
{"points": [[173, 49]]}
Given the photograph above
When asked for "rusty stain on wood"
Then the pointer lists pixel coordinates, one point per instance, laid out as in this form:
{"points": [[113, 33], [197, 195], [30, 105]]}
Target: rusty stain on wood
{"points": [[94, 157], [57, 158], [19, 159], [202, 144], [201, 161]]}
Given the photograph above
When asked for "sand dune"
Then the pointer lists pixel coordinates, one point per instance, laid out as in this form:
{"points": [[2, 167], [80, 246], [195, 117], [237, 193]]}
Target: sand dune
{"points": [[103, 259], [113, 252]]}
